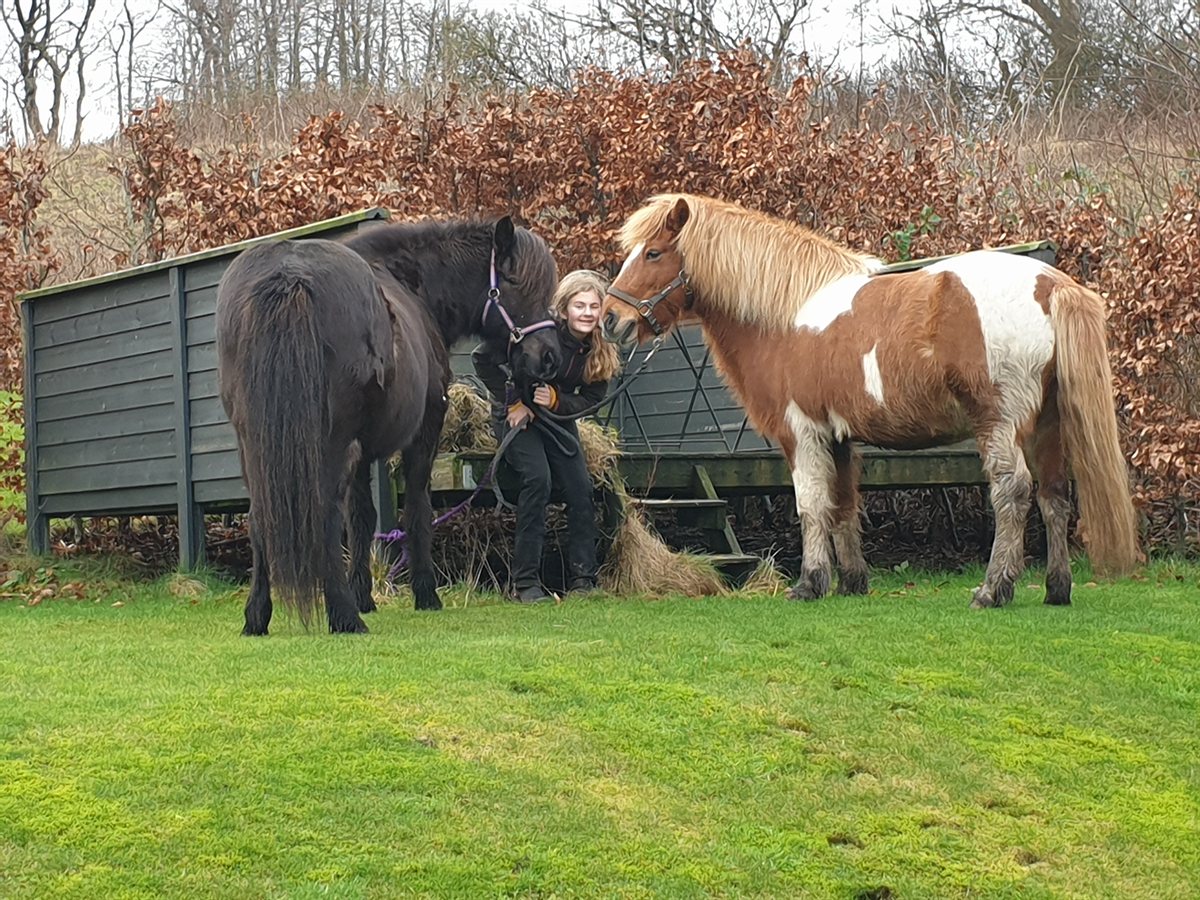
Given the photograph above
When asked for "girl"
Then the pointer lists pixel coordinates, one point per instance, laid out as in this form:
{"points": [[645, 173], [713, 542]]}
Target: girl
{"points": [[545, 457]]}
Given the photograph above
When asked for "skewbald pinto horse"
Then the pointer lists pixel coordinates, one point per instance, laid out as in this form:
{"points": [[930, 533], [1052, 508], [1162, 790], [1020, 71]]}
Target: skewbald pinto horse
{"points": [[821, 351]]}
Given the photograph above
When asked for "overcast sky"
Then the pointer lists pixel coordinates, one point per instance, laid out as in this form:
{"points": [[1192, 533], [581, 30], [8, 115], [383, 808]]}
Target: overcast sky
{"points": [[832, 34]]}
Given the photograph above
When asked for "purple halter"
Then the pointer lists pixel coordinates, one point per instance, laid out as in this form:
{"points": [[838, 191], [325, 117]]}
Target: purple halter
{"points": [[516, 333]]}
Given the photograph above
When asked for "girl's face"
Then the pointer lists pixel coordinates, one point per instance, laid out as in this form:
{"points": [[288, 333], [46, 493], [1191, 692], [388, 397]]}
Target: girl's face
{"points": [[583, 313]]}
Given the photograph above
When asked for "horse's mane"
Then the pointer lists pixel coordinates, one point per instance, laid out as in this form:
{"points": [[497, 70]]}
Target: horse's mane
{"points": [[412, 250], [456, 242], [754, 267]]}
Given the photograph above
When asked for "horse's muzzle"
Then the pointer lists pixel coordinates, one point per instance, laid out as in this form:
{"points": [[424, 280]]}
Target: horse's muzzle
{"points": [[616, 331], [549, 366]]}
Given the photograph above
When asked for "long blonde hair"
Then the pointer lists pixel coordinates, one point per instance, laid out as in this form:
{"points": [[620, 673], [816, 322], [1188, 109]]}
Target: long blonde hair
{"points": [[602, 362]]}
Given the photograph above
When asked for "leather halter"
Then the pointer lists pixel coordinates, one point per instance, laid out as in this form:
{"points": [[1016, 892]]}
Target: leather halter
{"points": [[516, 333], [645, 308]]}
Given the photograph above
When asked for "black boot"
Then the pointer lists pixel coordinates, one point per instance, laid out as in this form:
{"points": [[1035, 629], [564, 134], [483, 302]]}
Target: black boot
{"points": [[533, 594]]}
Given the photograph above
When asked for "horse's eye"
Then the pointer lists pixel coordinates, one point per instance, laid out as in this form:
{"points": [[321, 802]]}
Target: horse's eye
{"points": [[652, 255]]}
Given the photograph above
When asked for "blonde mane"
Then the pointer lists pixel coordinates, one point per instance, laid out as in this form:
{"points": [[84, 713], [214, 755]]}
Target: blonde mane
{"points": [[754, 267]]}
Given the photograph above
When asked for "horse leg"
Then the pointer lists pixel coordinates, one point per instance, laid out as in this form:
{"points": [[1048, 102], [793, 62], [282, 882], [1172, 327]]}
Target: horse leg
{"points": [[258, 606], [341, 610], [1054, 501], [418, 509], [360, 532], [812, 477], [1005, 467], [847, 527]]}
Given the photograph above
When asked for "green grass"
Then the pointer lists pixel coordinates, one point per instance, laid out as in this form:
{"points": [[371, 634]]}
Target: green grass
{"points": [[897, 746]]}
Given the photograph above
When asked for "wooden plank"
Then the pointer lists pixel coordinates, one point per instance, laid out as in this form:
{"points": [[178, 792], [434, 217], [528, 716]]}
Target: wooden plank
{"points": [[110, 373], [108, 398], [96, 350], [119, 501], [111, 294], [37, 526], [902, 470], [203, 384], [189, 516], [202, 330], [100, 323], [213, 438], [223, 491], [1046, 251], [141, 473], [207, 411], [201, 302], [117, 423], [767, 471], [202, 358], [205, 274], [217, 465], [130, 448]]}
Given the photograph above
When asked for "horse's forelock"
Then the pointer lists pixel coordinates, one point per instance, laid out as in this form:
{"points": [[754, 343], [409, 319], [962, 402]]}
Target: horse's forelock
{"points": [[533, 267], [647, 222]]}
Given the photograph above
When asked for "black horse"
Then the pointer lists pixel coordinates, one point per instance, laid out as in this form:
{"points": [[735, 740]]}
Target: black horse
{"points": [[332, 355]]}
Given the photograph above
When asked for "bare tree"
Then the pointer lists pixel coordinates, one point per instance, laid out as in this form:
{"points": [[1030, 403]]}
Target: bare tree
{"points": [[122, 39], [51, 47], [669, 32], [1072, 53]]}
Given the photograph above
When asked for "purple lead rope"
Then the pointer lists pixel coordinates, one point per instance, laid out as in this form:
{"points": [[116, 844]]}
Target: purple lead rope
{"points": [[401, 535]]}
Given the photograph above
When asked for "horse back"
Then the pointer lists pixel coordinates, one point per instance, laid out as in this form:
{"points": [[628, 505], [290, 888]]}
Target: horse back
{"points": [[275, 283]]}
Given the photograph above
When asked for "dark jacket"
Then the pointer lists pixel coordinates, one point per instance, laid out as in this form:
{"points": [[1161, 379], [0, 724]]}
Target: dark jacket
{"points": [[571, 392]]}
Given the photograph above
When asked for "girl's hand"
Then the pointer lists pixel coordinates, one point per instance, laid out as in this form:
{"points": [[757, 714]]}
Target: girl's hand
{"points": [[542, 396], [519, 415]]}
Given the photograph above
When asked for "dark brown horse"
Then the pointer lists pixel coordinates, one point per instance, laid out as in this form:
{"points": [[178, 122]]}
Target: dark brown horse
{"points": [[334, 355]]}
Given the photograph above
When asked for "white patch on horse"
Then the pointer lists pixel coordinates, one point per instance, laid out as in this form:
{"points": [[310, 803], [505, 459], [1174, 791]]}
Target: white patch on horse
{"points": [[841, 428], [827, 303], [633, 254], [812, 479], [1017, 335], [812, 463], [872, 377]]}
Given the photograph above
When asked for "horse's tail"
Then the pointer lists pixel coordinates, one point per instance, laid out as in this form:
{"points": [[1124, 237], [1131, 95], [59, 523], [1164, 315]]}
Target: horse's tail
{"points": [[288, 420], [1109, 525]]}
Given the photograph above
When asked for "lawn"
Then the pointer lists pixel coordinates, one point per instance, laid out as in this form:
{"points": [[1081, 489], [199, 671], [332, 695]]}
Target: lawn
{"points": [[894, 746]]}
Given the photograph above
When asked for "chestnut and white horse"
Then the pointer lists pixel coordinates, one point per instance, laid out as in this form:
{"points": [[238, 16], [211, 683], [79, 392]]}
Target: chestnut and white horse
{"points": [[821, 351]]}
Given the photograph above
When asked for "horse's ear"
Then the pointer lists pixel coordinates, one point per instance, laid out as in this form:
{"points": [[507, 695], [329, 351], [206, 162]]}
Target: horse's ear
{"points": [[678, 216], [504, 237]]}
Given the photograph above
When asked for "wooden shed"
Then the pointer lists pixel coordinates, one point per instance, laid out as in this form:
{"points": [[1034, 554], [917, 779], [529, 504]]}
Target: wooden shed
{"points": [[122, 415]]}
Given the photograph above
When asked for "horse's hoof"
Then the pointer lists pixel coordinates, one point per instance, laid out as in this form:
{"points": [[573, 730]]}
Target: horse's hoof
{"points": [[852, 583], [352, 626], [987, 597], [254, 632], [429, 604], [812, 585], [1058, 590], [367, 604]]}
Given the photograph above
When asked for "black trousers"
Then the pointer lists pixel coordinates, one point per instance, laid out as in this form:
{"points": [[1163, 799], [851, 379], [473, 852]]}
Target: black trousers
{"points": [[542, 465]]}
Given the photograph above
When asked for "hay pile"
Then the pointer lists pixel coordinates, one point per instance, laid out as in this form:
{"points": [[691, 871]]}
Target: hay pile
{"points": [[640, 563], [766, 580], [468, 424], [601, 452]]}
